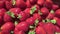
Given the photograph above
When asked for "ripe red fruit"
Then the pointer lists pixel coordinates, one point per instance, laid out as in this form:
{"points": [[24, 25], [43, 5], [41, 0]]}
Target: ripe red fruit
{"points": [[33, 1], [22, 26], [50, 15], [28, 4], [37, 16], [8, 5], [40, 30], [57, 13], [30, 21], [44, 11], [22, 16], [7, 18], [15, 11], [20, 4], [40, 2], [2, 4], [54, 7], [49, 28], [8, 26], [57, 29], [21, 32], [5, 32]]}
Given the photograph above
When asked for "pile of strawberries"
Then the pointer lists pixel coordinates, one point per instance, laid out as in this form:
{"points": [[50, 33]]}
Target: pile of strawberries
{"points": [[29, 17]]}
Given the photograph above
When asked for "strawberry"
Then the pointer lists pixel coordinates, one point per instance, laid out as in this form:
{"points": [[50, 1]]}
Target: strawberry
{"points": [[8, 5], [28, 4], [33, 1], [40, 30], [50, 15], [57, 13], [49, 28], [57, 29], [19, 3], [44, 11], [55, 7], [7, 18], [40, 2], [2, 4], [5, 32], [8, 26], [15, 11], [30, 21], [37, 16], [48, 4], [21, 32], [22, 16], [22, 26]]}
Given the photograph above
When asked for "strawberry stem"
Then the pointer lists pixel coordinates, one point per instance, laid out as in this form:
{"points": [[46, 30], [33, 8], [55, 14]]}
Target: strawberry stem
{"points": [[13, 2], [16, 23], [19, 16], [53, 21], [52, 11]]}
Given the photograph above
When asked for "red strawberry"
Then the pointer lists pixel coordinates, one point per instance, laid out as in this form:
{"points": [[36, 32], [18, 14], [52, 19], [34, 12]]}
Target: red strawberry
{"points": [[58, 22], [22, 16], [37, 16], [22, 26], [44, 11], [2, 4], [49, 27], [40, 30], [57, 29], [48, 4], [8, 5], [54, 7], [15, 11], [30, 21], [50, 15], [19, 3], [57, 13], [7, 18], [2, 12], [40, 2], [28, 4], [21, 32], [5, 32], [33, 1], [8, 26]]}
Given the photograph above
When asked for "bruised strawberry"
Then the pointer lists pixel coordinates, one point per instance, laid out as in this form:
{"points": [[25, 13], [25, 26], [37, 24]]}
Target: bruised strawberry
{"points": [[8, 5], [40, 30], [54, 7], [2, 4], [21, 32], [7, 18], [8, 26], [57, 29], [37, 16], [33, 1], [50, 15], [49, 28], [15, 11], [22, 16], [30, 21], [28, 4], [22, 26], [40, 2], [57, 13], [19, 3]]}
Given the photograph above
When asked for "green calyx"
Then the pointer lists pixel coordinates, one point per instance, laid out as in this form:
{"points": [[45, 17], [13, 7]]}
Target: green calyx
{"points": [[11, 14], [32, 10], [13, 2], [52, 11], [39, 12], [53, 21], [16, 23], [43, 20], [47, 20], [31, 32], [31, 27], [19, 16], [36, 22]]}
